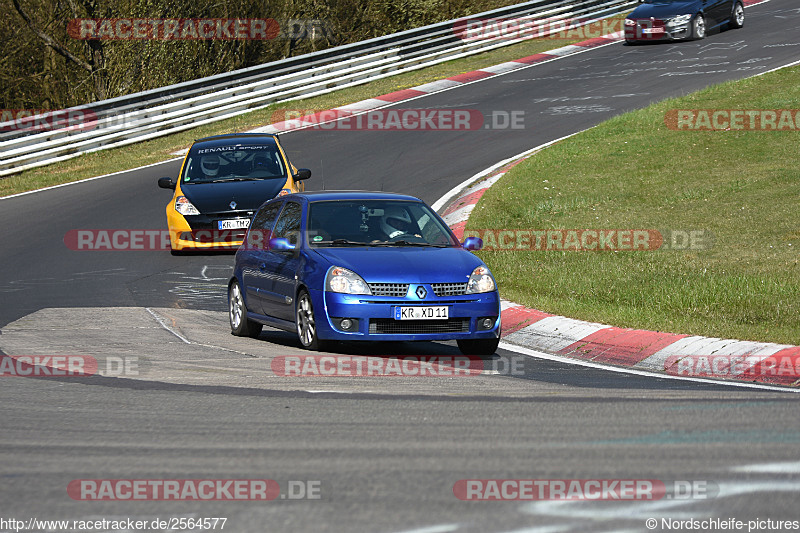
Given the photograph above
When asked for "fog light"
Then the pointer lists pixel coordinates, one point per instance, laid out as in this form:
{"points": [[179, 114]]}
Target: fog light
{"points": [[346, 323], [487, 323]]}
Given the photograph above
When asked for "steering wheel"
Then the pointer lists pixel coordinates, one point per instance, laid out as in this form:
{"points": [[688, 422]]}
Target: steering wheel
{"points": [[410, 237]]}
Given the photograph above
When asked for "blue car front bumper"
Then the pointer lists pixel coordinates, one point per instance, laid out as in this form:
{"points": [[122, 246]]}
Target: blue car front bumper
{"points": [[372, 318]]}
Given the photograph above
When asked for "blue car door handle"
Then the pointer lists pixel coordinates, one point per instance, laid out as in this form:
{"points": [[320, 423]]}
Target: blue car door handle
{"points": [[262, 266]]}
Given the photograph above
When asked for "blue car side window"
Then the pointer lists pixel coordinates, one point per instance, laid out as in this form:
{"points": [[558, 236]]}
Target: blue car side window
{"points": [[259, 233], [288, 225], [265, 218]]}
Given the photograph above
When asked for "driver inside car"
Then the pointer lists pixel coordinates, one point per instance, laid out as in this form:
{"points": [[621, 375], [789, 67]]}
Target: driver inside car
{"points": [[263, 163], [397, 222], [210, 165]]}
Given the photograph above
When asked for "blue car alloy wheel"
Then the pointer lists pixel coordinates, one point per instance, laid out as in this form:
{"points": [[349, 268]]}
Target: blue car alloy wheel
{"points": [[362, 266]]}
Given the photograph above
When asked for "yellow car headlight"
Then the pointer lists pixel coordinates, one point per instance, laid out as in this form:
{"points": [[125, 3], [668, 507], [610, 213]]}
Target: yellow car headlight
{"points": [[185, 207]]}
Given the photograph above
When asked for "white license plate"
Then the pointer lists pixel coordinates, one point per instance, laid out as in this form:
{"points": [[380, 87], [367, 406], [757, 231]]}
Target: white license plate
{"points": [[652, 30], [421, 313], [238, 223]]}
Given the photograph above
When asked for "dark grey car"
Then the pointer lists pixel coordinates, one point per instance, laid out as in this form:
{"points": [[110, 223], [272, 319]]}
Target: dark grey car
{"points": [[669, 20]]}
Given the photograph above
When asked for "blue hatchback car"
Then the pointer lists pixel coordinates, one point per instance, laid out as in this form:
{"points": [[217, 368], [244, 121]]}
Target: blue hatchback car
{"points": [[350, 266]]}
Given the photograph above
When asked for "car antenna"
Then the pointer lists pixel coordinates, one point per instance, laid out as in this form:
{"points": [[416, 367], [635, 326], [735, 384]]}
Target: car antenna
{"points": [[322, 173]]}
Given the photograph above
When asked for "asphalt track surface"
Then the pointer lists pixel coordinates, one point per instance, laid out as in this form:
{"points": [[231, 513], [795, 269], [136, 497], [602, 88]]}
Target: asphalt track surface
{"points": [[387, 452]]}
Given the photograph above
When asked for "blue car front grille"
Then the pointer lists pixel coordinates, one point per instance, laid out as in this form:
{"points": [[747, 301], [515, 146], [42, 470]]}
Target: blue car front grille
{"points": [[389, 289], [449, 289], [389, 326], [401, 289]]}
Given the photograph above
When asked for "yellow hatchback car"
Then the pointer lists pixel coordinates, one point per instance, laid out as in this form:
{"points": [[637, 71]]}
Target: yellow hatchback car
{"points": [[222, 182]]}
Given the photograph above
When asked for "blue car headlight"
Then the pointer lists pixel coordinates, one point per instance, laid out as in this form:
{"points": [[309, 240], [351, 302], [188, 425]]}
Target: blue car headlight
{"points": [[480, 281], [345, 281]]}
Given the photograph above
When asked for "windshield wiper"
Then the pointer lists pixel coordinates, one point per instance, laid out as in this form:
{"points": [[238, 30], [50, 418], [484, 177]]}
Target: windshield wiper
{"points": [[233, 179], [402, 242], [342, 242]]}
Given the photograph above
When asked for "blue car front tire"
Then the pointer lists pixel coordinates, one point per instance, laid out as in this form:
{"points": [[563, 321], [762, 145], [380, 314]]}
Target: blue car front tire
{"points": [[241, 326], [306, 323]]}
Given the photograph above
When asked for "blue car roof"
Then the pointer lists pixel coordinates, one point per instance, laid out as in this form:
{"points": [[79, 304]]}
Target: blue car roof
{"points": [[317, 196]]}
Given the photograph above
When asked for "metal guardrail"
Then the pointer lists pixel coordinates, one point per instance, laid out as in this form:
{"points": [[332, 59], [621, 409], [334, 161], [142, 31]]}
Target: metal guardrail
{"points": [[158, 112]]}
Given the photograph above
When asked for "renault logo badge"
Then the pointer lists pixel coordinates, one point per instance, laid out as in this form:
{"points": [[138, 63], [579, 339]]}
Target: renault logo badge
{"points": [[233, 205], [421, 292]]}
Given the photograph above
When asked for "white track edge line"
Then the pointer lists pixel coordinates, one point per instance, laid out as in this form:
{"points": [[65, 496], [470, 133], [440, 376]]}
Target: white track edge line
{"points": [[622, 370], [89, 179], [158, 318], [442, 202]]}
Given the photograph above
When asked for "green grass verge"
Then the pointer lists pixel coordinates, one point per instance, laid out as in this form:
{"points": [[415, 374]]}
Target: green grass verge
{"points": [[153, 151], [634, 172]]}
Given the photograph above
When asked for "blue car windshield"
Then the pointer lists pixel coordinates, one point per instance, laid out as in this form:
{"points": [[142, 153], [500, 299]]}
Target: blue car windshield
{"points": [[233, 163], [375, 223]]}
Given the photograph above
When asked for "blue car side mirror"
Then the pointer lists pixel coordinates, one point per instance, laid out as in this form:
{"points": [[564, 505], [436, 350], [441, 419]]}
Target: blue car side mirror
{"points": [[280, 244], [472, 243]]}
